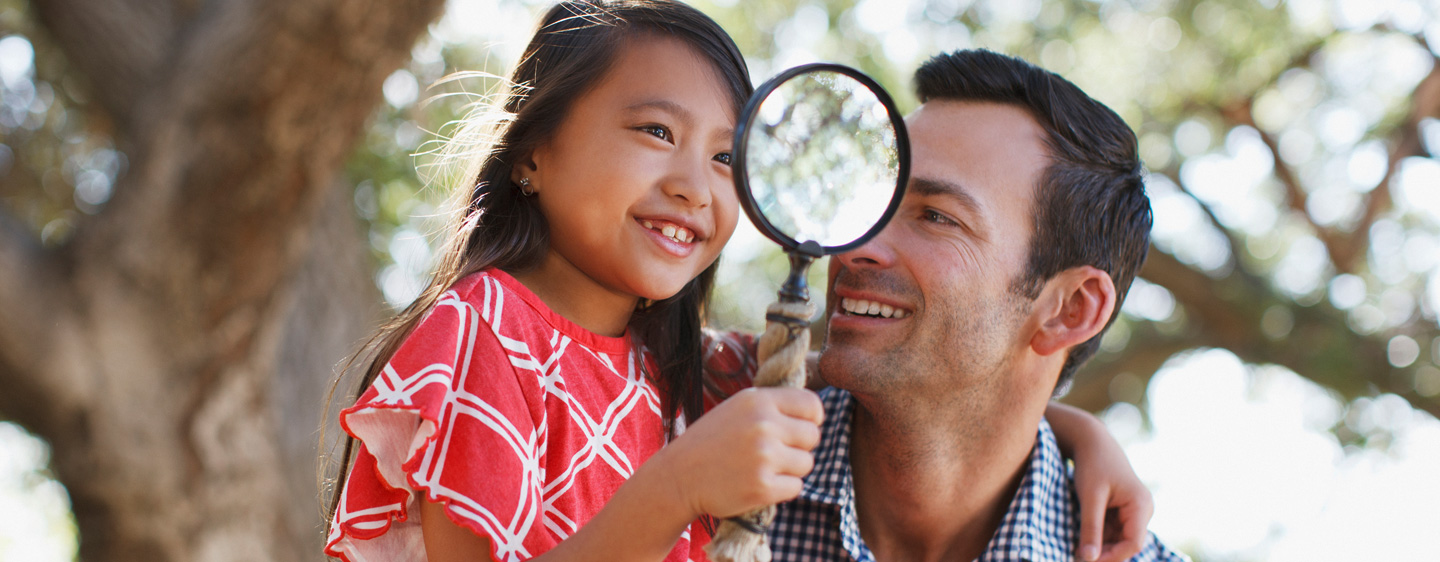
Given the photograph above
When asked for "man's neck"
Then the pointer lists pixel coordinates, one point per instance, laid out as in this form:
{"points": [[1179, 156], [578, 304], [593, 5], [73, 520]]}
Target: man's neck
{"points": [[934, 489]]}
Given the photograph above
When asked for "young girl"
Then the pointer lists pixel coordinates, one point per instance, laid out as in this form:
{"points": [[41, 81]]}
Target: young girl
{"points": [[512, 411]]}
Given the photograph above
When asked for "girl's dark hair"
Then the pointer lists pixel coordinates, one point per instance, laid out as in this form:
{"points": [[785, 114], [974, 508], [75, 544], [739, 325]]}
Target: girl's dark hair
{"points": [[576, 43]]}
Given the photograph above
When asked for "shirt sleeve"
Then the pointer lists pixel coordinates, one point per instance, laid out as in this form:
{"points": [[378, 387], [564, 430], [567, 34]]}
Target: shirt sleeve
{"points": [[447, 420], [729, 364]]}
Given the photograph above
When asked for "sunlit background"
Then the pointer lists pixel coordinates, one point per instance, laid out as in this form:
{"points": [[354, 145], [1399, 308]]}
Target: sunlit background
{"points": [[1297, 223]]}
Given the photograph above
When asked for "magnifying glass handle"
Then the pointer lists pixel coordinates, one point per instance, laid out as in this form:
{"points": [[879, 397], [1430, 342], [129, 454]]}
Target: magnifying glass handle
{"points": [[796, 289], [781, 351]]}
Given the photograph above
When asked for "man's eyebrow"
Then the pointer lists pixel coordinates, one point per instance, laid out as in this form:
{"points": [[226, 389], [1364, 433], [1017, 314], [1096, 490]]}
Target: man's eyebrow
{"points": [[932, 187]]}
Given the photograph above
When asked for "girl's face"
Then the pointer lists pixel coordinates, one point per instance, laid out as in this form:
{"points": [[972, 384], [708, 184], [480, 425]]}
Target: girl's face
{"points": [[636, 181]]}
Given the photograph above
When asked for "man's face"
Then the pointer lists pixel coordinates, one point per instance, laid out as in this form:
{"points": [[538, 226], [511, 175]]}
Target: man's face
{"points": [[940, 273]]}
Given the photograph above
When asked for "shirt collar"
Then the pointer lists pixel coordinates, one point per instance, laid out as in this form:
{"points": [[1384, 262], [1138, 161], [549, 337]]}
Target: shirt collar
{"points": [[830, 482], [1037, 527]]}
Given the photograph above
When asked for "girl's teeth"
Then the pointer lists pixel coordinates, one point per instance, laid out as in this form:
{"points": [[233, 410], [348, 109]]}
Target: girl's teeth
{"points": [[676, 233]]}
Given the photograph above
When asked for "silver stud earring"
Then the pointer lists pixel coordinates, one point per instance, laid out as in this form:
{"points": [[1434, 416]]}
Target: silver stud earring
{"points": [[525, 187]]}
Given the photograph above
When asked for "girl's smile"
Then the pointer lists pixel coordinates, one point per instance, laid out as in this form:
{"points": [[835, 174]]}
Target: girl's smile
{"points": [[672, 235]]}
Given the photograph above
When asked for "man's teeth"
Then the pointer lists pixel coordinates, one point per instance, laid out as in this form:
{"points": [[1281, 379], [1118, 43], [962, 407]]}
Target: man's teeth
{"points": [[872, 308], [676, 233]]}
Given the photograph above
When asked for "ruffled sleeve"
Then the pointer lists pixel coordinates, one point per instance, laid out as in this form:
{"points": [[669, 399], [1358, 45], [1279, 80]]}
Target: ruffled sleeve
{"points": [[451, 380]]}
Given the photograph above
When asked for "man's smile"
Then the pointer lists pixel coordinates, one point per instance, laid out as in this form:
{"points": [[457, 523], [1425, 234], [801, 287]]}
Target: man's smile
{"points": [[873, 309]]}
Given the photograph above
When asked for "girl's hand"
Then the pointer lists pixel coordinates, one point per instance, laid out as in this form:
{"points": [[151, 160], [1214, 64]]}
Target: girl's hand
{"points": [[750, 451], [1115, 507]]}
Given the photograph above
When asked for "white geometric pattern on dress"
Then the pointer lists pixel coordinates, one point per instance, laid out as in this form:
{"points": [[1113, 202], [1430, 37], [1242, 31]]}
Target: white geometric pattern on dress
{"points": [[597, 430], [508, 536], [469, 413]]}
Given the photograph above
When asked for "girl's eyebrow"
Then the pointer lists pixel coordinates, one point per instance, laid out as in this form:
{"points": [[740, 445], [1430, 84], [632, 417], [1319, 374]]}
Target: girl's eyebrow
{"points": [[677, 111], [674, 109]]}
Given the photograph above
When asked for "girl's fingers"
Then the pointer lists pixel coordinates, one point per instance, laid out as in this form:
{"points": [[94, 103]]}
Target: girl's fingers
{"points": [[798, 403], [1128, 534], [794, 462], [1092, 522], [1121, 551], [787, 487], [799, 433]]}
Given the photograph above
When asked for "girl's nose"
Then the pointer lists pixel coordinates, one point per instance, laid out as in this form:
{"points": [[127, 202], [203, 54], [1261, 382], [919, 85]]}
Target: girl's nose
{"points": [[687, 181]]}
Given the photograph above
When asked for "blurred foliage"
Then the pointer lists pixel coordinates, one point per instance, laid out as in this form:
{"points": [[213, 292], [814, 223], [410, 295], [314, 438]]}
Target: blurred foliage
{"points": [[57, 161]]}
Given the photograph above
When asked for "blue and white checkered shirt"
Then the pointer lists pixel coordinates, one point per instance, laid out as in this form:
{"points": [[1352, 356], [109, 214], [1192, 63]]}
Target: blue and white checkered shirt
{"points": [[1040, 526]]}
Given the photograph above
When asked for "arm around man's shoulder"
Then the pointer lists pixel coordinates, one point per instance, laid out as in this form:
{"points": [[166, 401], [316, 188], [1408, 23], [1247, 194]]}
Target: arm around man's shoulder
{"points": [[1156, 551]]}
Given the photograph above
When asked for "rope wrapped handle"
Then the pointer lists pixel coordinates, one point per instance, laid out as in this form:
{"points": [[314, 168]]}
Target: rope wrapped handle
{"points": [[781, 350]]}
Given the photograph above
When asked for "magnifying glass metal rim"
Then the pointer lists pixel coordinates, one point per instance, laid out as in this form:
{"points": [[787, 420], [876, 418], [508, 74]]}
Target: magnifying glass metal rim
{"points": [[742, 181]]}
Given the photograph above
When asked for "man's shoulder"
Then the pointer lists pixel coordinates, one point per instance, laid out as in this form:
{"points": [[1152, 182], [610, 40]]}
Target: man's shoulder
{"points": [[1042, 522]]}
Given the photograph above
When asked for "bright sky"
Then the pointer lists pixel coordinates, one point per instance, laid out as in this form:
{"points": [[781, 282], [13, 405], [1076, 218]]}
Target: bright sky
{"points": [[1242, 467]]}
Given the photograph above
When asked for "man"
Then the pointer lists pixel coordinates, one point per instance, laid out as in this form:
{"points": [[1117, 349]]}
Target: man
{"points": [[1023, 226]]}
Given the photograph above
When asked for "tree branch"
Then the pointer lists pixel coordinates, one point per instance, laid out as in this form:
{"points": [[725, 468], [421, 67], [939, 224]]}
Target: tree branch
{"points": [[1424, 102], [1295, 195], [1227, 313], [117, 44], [237, 141], [1347, 249], [1142, 357], [1232, 242]]}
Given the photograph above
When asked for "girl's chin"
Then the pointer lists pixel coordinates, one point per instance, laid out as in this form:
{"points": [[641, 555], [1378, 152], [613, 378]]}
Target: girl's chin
{"points": [[657, 294]]}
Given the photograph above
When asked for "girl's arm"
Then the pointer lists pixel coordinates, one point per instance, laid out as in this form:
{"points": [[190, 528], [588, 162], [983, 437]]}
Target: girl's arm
{"points": [[749, 451], [1115, 507]]}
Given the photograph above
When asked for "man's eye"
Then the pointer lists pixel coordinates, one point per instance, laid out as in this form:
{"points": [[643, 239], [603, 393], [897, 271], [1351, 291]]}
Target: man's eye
{"points": [[935, 217], [658, 131], [723, 158]]}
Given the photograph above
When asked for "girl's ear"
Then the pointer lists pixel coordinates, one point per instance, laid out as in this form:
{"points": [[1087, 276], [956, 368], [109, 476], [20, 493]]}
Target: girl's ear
{"points": [[524, 167], [1073, 307]]}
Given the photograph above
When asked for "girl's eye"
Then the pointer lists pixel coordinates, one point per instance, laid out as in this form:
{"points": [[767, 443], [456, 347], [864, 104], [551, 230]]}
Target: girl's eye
{"points": [[661, 132], [723, 158]]}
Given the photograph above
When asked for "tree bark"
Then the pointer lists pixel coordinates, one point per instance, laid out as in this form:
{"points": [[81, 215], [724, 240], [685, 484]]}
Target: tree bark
{"points": [[175, 352]]}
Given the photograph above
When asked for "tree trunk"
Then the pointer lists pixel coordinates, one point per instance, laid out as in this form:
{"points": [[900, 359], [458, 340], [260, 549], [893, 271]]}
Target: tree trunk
{"points": [[175, 352]]}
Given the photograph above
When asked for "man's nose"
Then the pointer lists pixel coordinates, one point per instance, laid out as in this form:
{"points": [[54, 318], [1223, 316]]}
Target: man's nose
{"points": [[879, 252]]}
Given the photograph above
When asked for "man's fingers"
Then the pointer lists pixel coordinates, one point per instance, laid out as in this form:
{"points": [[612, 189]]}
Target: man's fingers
{"points": [[1092, 522]]}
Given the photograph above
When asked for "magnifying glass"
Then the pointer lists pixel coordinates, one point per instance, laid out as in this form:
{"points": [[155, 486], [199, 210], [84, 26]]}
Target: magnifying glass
{"points": [[820, 162]]}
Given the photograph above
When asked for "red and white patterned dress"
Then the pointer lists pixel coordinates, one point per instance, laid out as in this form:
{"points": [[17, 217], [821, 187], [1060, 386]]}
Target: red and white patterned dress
{"points": [[522, 423]]}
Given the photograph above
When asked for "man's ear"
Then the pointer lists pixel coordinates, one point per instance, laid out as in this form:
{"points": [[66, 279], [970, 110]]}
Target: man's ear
{"points": [[1074, 306]]}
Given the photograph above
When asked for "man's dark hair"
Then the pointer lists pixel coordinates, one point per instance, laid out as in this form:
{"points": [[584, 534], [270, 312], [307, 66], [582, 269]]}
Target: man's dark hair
{"points": [[1090, 206]]}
